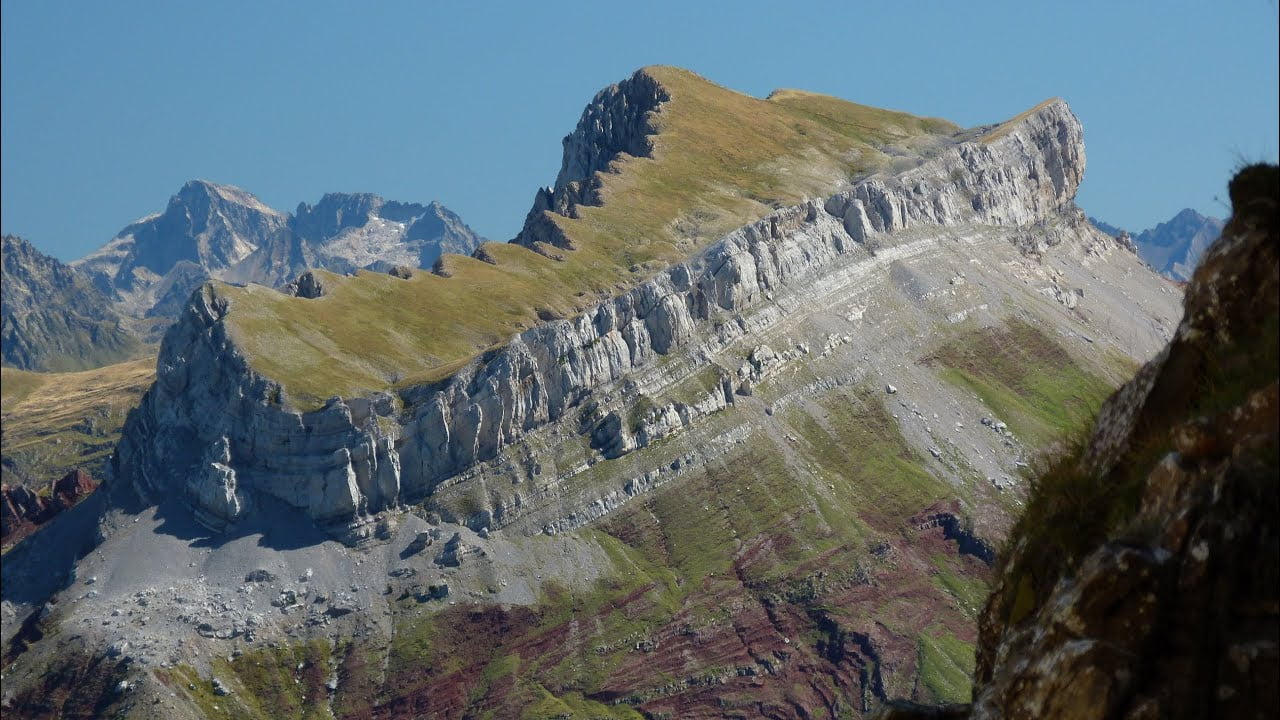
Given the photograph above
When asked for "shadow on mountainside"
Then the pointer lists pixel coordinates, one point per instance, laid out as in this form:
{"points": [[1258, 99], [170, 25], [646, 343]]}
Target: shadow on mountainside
{"points": [[278, 525], [42, 564]]}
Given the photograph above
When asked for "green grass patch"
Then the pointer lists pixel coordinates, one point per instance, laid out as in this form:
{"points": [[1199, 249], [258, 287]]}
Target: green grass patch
{"points": [[285, 683], [1028, 380], [573, 705], [56, 422], [946, 666], [971, 592], [858, 445]]}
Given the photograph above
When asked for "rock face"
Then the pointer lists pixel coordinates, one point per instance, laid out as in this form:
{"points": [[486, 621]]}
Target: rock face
{"points": [[1173, 609], [52, 319], [218, 231], [1173, 248], [153, 265], [617, 121], [360, 455]]}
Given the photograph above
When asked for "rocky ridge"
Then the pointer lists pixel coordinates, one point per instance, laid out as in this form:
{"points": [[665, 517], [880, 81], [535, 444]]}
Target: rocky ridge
{"points": [[747, 522], [361, 455], [616, 122]]}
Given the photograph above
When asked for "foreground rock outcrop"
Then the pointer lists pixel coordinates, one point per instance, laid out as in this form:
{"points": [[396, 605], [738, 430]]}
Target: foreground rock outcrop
{"points": [[1143, 580]]}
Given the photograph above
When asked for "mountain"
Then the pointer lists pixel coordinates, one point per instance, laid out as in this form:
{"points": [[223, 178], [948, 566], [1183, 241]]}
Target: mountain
{"points": [[347, 232], [1174, 248], [151, 267], [731, 430], [53, 319], [217, 231], [1141, 581]]}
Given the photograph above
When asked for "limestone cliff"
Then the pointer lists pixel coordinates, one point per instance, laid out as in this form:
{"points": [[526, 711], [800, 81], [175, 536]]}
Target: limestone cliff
{"points": [[357, 456]]}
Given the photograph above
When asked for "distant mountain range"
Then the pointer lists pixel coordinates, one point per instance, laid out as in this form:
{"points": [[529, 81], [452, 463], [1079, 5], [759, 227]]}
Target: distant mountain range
{"points": [[1173, 248], [105, 306]]}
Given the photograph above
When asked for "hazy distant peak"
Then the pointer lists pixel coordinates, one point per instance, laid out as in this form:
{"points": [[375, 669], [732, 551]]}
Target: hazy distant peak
{"points": [[1173, 247], [199, 190]]}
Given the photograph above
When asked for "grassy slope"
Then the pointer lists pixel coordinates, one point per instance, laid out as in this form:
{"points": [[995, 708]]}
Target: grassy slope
{"points": [[754, 528], [54, 422], [720, 159], [1029, 380]]}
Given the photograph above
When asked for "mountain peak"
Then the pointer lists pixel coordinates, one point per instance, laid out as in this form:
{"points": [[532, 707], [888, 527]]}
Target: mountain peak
{"points": [[199, 190], [1188, 215], [1174, 246]]}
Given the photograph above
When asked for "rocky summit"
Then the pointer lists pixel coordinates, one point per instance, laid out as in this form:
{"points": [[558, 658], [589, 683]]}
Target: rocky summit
{"points": [[1174, 248], [734, 428]]}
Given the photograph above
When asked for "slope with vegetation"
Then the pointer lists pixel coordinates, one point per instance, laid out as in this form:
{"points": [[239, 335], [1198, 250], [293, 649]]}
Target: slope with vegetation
{"points": [[719, 474]]}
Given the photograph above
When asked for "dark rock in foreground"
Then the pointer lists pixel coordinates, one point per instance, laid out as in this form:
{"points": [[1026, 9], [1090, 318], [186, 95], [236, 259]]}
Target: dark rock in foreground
{"points": [[1144, 579]]}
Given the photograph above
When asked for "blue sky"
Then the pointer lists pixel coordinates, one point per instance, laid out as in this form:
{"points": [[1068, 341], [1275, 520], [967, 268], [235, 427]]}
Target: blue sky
{"points": [[109, 107]]}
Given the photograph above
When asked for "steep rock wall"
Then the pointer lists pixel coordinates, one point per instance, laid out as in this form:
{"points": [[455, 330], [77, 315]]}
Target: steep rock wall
{"points": [[214, 430], [617, 121]]}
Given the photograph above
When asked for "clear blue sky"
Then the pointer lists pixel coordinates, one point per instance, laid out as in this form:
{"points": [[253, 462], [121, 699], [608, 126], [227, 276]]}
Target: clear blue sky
{"points": [[108, 107]]}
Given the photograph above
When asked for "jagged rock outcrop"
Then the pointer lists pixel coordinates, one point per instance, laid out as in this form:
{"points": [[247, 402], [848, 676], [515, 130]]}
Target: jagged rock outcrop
{"points": [[52, 318], [1158, 594], [332, 463], [617, 121], [357, 455], [306, 286]]}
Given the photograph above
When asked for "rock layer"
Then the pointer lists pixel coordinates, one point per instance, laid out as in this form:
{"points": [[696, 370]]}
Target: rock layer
{"points": [[360, 455]]}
